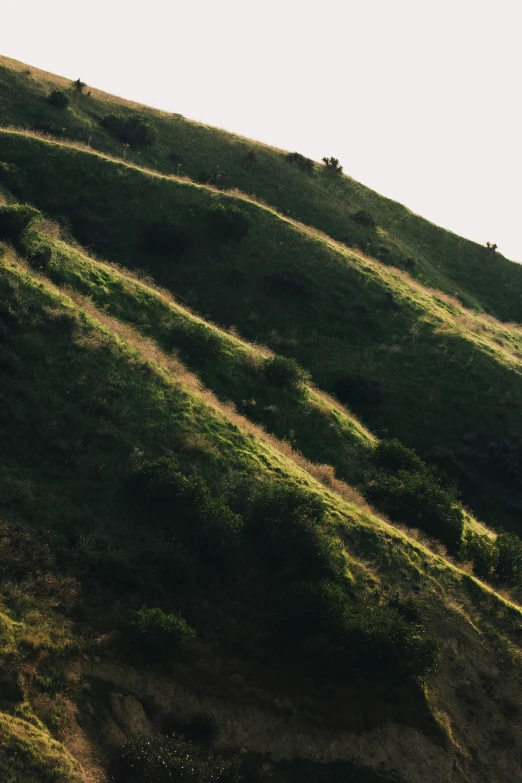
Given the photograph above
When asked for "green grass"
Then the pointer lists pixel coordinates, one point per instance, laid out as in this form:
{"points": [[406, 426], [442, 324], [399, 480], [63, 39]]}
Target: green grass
{"points": [[28, 753], [127, 482], [321, 199], [81, 401], [431, 366]]}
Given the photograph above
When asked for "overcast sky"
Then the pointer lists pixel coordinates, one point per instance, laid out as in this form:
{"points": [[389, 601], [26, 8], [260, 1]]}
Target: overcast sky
{"points": [[420, 101]]}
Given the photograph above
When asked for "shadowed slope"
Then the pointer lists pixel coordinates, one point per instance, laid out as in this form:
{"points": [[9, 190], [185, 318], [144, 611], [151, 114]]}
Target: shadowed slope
{"points": [[409, 361]]}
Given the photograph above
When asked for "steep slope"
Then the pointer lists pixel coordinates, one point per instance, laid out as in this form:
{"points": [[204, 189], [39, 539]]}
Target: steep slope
{"points": [[337, 205], [412, 363], [139, 489]]}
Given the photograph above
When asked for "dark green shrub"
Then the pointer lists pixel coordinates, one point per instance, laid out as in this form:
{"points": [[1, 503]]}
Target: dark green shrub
{"points": [[298, 160], [363, 219], [166, 237], [79, 86], [167, 759], [284, 373], [199, 345], [206, 525], [159, 635], [482, 552], [251, 156], [12, 177], [509, 559], [16, 219], [363, 637], [226, 222], [418, 500], [136, 130], [286, 530], [59, 99], [392, 455], [333, 165], [210, 178]]}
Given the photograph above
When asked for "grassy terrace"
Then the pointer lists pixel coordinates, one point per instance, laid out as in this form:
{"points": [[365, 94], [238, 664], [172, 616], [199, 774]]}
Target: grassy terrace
{"points": [[410, 362], [206, 499]]}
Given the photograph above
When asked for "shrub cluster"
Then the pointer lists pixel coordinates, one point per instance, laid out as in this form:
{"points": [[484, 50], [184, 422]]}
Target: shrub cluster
{"points": [[136, 130], [404, 488], [166, 759], [333, 165], [19, 225], [205, 524], [298, 160], [363, 219], [363, 636], [497, 560], [226, 222], [284, 373], [157, 634], [59, 99], [78, 85], [12, 177], [286, 531], [282, 530], [16, 219], [199, 345]]}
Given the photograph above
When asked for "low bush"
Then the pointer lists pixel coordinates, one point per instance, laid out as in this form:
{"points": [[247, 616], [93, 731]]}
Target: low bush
{"points": [[78, 85], [284, 373], [16, 219], [362, 636], [418, 500], [206, 525], [59, 99], [226, 222], [332, 164], [210, 178], [199, 345], [482, 552], [166, 759], [363, 219], [509, 559], [392, 455], [136, 130], [159, 635], [300, 162], [286, 530], [13, 178]]}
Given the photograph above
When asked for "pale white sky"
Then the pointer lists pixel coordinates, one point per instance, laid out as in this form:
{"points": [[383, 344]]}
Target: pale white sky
{"points": [[419, 100]]}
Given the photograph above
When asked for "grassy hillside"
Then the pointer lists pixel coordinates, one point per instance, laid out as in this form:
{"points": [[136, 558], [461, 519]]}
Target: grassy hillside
{"points": [[141, 490], [412, 363], [219, 559], [308, 192]]}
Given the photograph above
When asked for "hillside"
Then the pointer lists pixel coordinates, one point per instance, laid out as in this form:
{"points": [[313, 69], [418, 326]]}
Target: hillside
{"points": [[219, 559], [301, 189], [391, 350]]}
